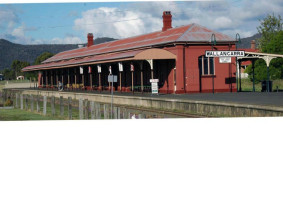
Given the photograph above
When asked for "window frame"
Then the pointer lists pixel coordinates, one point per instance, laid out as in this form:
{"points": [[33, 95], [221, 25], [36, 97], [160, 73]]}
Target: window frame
{"points": [[208, 65]]}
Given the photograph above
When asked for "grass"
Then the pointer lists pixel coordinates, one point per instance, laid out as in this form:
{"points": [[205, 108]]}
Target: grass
{"points": [[21, 115], [17, 114], [247, 85]]}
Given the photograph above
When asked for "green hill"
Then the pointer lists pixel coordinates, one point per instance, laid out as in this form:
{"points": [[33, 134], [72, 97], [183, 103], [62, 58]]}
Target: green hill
{"points": [[10, 51]]}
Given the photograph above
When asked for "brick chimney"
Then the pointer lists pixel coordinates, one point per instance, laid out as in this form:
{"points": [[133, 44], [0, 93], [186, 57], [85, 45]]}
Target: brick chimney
{"points": [[167, 20], [89, 39], [253, 44]]}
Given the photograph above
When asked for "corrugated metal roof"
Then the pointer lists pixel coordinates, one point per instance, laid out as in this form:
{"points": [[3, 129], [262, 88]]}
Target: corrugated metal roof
{"points": [[85, 60], [189, 33]]}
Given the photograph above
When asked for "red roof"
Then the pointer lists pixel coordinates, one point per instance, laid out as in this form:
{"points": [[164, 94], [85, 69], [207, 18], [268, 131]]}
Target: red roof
{"points": [[190, 33]]}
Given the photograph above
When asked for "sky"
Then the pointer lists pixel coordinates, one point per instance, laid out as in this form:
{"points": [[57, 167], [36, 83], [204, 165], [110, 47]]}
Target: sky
{"points": [[69, 23]]}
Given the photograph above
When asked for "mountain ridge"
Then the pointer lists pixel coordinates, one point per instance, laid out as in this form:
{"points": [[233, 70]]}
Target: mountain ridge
{"points": [[11, 51]]}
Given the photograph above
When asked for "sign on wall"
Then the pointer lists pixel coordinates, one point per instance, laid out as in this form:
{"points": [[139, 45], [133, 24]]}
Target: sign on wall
{"points": [[132, 68], [81, 70], [224, 53], [225, 59], [112, 78], [99, 68], [154, 86], [120, 67]]}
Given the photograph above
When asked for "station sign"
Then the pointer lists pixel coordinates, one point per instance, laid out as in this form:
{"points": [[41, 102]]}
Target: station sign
{"points": [[225, 59], [112, 78], [224, 53], [153, 80], [132, 68], [154, 86], [120, 67], [99, 68]]}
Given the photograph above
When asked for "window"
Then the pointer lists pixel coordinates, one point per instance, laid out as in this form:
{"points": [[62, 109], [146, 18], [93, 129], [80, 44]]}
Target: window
{"points": [[206, 65]]}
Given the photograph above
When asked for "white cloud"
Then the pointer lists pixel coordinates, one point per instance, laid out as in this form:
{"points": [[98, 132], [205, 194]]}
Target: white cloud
{"points": [[222, 22], [229, 17], [19, 32], [66, 40], [112, 23], [8, 18]]}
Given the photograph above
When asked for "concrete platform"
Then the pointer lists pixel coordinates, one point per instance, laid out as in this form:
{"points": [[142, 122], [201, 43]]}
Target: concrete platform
{"points": [[219, 104]]}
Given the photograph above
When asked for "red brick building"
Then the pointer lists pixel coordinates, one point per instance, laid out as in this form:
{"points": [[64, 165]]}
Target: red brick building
{"points": [[175, 56]]}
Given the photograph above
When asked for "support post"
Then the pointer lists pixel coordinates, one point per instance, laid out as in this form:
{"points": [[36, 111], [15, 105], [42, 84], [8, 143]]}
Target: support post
{"points": [[129, 114], [97, 111], [31, 103], [37, 104], [106, 111], [53, 106], [240, 81], [132, 82], [118, 113], [92, 110], [115, 112], [267, 84], [57, 78], [90, 78], [46, 77], [83, 80], [99, 77], [86, 106], [51, 78], [68, 77], [81, 111], [69, 108], [22, 101], [141, 68], [26, 102], [44, 104], [61, 106], [253, 67], [17, 100], [124, 113], [120, 81], [75, 74]]}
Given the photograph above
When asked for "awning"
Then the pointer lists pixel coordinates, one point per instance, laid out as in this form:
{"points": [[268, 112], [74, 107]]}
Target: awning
{"points": [[106, 58]]}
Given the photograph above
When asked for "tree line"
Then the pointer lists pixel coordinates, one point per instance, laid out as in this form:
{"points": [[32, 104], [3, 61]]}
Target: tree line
{"points": [[17, 66], [271, 41]]}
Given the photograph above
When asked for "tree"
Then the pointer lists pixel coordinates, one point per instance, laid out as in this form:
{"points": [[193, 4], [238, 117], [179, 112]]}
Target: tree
{"points": [[261, 71], [16, 68], [271, 41], [8, 74], [269, 27], [275, 45], [42, 57]]}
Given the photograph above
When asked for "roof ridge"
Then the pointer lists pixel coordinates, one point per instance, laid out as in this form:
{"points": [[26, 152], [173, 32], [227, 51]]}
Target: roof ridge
{"points": [[191, 25]]}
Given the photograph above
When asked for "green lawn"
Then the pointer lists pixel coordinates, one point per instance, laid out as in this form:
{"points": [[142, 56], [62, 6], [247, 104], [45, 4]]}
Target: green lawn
{"points": [[19, 115], [247, 85]]}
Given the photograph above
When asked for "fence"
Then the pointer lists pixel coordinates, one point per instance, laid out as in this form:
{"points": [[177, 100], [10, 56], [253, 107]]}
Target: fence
{"points": [[61, 108]]}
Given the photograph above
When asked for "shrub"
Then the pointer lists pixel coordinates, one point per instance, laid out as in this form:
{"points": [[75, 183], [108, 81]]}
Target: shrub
{"points": [[9, 102]]}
